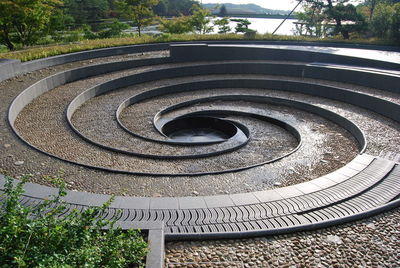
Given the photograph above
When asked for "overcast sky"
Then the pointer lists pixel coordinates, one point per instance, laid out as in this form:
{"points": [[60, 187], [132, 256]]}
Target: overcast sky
{"points": [[271, 4]]}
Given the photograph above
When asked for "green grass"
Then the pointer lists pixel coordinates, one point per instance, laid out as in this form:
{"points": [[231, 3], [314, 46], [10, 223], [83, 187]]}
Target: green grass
{"points": [[3, 49], [58, 49]]}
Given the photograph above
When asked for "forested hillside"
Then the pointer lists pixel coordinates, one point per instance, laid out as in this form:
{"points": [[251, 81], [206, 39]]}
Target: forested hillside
{"points": [[89, 11], [243, 9]]}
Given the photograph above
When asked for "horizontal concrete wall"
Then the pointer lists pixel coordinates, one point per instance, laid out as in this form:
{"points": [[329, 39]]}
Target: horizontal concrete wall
{"points": [[91, 54], [11, 68], [62, 78], [200, 52], [320, 65], [355, 76]]}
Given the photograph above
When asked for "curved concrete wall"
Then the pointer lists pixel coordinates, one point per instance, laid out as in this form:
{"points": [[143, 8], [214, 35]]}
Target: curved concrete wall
{"points": [[352, 181], [209, 52], [15, 67], [11, 68]]}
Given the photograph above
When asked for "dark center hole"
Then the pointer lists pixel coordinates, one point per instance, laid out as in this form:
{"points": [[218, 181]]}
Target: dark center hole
{"points": [[199, 129]]}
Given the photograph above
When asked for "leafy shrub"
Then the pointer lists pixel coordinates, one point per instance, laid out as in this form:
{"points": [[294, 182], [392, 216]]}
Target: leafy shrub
{"points": [[110, 30], [40, 237], [114, 29], [386, 21], [88, 33], [177, 25], [242, 26], [223, 25], [74, 36]]}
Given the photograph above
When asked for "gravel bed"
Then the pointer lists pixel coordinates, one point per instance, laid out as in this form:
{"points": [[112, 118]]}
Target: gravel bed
{"points": [[372, 242], [368, 243], [298, 167], [335, 148]]}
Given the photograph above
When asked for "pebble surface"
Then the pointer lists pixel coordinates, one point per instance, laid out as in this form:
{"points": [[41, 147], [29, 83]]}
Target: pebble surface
{"points": [[334, 151], [372, 242], [79, 178]]}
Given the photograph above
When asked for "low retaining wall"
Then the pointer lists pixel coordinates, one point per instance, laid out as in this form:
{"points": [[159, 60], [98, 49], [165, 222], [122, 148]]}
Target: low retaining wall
{"points": [[210, 52], [11, 68]]}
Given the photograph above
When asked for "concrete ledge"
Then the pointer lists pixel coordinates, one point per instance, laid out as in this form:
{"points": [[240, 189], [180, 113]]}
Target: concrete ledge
{"points": [[318, 90], [210, 52], [20, 68], [290, 211], [285, 230], [179, 203], [9, 68]]}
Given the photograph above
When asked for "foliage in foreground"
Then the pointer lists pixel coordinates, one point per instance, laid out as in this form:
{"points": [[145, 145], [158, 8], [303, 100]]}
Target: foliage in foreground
{"points": [[54, 50], [38, 237]]}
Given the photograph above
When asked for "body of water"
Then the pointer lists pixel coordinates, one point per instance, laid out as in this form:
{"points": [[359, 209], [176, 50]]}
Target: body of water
{"points": [[261, 25], [267, 25]]}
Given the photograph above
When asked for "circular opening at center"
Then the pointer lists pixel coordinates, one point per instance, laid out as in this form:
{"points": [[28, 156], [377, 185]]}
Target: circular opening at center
{"points": [[199, 129]]}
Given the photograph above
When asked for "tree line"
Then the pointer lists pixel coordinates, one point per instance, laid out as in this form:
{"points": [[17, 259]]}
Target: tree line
{"points": [[371, 18], [28, 22]]}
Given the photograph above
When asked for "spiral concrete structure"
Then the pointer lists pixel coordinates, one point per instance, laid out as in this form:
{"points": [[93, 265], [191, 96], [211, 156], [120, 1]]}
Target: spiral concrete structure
{"points": [[208, 111]]}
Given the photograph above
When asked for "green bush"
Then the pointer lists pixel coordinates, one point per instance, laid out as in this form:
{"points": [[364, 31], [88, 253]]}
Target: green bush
{"points": [[176, 25], [113, 29], [40, 237], [73, 36], [386, 21]]}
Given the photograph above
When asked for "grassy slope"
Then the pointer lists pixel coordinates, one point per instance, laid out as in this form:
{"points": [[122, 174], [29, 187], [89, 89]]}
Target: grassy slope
{"points": [[53, 50]]}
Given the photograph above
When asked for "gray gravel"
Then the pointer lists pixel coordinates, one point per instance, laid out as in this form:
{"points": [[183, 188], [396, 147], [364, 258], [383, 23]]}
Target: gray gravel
{"points": [[47, 132], [329, 147], [373, 242], [368, 243]]}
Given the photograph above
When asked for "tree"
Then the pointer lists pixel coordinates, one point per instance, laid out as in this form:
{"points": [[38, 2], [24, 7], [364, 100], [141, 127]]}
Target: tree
{"points": [[337, 11], [354, 21], [24, 21], [223, 25], [86, 11], [395, 27], [140, 12], [177, 25], [58, 24], [6, 24], [223, 11], [161, 8], [386, 21], [242, 26], [371, 4], [181, 7], [310, 21], [200, 20]]}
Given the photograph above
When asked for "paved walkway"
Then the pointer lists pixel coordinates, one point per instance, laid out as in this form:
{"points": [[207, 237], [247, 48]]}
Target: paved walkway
{"points": [[380, 55], [364, 184]]}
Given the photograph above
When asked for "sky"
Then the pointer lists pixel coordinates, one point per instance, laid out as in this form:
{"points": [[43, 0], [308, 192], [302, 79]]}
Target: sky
{"points": [[271, 4]]}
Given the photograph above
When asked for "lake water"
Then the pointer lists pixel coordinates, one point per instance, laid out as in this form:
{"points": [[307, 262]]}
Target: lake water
{"points": [[263, 26]]}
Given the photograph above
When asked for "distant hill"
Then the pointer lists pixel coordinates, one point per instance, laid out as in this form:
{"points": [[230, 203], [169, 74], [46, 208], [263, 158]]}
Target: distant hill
{"points": [[250, 9]]}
